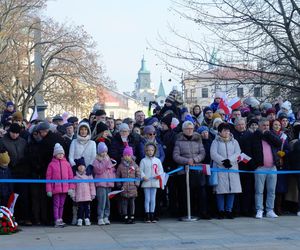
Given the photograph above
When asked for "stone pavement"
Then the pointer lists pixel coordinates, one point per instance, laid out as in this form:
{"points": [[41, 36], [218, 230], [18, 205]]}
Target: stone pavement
{"points": [[240, 233]]}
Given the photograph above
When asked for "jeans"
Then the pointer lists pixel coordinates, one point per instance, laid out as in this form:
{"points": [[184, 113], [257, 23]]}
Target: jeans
{"points": [[260, 180], [58, 205], [103, 202], [83, 210], [229, 202], [150, 196], [128, 206]]}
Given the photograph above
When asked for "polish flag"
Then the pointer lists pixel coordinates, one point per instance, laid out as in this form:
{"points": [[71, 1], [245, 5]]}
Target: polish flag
{"points": [[114, 193], [206, 169], [235, 103], [224, 106], [244, 158], [12, 202]]}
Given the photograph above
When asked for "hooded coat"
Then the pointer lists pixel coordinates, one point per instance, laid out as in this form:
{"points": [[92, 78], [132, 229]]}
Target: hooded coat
{"points": [[228, 183], [84, 191], [83, 147]]}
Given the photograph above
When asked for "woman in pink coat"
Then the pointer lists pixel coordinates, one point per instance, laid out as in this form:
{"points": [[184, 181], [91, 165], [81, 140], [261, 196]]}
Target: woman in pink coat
{"points": [[85, 192], [59, 169]]}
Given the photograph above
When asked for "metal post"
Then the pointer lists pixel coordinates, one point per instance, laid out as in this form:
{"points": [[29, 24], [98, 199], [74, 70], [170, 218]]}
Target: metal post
{"points": [[188, 218]]}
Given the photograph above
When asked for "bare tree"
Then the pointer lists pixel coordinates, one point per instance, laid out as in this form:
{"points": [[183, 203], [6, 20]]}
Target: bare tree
{"points": [[68, 57], [260, 38]]}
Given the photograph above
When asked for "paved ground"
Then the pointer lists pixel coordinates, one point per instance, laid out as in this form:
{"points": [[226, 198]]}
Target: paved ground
{"points": [[240, 233]]}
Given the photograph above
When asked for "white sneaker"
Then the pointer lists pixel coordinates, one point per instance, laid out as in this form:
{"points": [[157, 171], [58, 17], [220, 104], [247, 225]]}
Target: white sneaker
{"points": [[259, 214], [62, 222], [298, 214], [57, 223], [106, 221], [101, 222], [87, 222], [271, 214], [79, 222]]}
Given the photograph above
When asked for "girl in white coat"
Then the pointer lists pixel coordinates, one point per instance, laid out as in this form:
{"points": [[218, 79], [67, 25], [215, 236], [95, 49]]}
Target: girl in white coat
{"points": [[151, 168]]}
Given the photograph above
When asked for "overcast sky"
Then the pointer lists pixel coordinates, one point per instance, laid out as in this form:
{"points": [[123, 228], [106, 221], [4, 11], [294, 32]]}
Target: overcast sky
{"points": [[121, 29]]}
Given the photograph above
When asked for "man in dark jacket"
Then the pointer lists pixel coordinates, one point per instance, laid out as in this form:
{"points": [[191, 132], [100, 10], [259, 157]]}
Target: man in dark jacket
{"points": [[16, 146], [263, 145]]}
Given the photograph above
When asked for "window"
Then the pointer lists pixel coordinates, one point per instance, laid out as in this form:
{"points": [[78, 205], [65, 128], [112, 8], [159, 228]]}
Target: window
{"points": [[240, 92], [257, 92], [204, 92]]}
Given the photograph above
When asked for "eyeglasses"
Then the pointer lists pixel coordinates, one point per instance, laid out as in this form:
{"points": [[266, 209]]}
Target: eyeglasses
{"points": [[152, 134]]}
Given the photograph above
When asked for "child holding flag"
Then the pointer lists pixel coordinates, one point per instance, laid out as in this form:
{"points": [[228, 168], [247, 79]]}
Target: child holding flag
{"points": [[151, 171], [128, 169]]}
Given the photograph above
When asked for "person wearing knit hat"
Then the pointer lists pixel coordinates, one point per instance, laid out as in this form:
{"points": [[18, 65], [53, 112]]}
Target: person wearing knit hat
{"points": [[101, 127], [216, 115], [215, 105], [202, 128], [149, 130], [286, 108], [58, 120], [17, 117], [124, 127], [58, 149], [15, 128], [8, 112], [271, 114], [85, 192], [208, 114], [167, 120], [151, 121], [59, 169], [252, 125], [128, 151], [101, 148], [6, 189]]}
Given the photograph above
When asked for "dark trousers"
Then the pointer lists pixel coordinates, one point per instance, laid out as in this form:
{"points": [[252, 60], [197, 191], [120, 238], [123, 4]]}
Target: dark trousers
{"points": [[246, 198], [23, 204], [298, 182], [40, 205], [128, 206], [3, 200], [83, 210]]}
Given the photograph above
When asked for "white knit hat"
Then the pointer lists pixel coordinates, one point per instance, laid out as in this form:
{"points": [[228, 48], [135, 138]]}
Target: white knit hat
{"points": [[124, 127], [217, 120], [286, 105], [58, 149]]}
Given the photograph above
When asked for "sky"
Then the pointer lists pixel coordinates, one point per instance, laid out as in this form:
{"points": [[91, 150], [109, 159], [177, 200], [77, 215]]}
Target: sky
{"points": [[123, 31]]}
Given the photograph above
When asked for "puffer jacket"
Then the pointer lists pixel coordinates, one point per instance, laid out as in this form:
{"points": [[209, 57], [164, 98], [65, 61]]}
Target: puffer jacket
{"points": [[220, 150], [185, 149], [59, 170], [104, 169], [84, 191], [150, 168], [128, 170]]}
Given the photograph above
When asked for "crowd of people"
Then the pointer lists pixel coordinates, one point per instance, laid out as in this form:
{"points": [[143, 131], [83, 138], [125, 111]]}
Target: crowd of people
{"points": [[142, 149]]}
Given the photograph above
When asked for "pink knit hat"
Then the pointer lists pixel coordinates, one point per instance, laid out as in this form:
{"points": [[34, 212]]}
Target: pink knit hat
{"points": [[128, 151]]}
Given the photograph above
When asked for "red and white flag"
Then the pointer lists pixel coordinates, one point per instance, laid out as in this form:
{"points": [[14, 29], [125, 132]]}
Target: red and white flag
{"points": [[206, 169], [114, 193], [283, 137], [223, 105], [235, 103], [244, 158], [12, 202]]}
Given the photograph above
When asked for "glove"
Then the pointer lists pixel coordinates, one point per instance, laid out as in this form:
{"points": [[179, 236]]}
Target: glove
{"points": [[49, 194], [281, 154], [71, 193], [226, 163]]}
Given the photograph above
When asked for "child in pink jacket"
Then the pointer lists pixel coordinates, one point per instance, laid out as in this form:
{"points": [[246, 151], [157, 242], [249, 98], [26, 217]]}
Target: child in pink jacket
{"points": [[103, 168], [85, 192], [59, 169]]}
